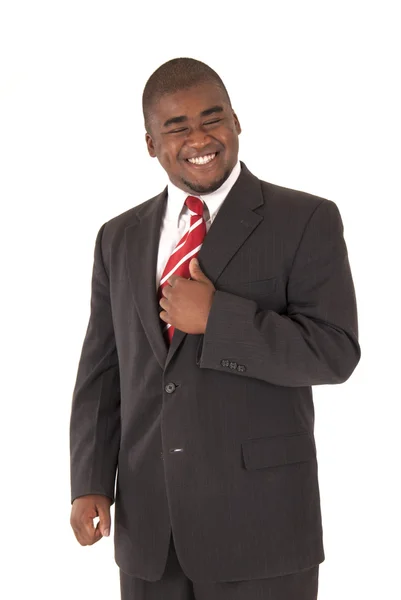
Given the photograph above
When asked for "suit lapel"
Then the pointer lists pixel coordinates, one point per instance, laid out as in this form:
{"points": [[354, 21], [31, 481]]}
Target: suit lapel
{"points": [[142, 244], [234, 223]]}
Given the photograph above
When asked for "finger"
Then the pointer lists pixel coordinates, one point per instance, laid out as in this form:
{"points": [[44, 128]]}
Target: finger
{"points": [[84, 528], [78, 530], [104, 520], [97, 534], [88, 532], [84, 537], [171, 280]]}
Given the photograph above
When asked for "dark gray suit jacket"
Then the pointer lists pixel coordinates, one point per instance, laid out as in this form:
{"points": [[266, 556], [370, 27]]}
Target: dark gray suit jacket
{"points": [[213, 437]]}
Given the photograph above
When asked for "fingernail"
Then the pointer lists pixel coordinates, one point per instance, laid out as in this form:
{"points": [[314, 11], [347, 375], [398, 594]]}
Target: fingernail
{"points": [[106, 532]]}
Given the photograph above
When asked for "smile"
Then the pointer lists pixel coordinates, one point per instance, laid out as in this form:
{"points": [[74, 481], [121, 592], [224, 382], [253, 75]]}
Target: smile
{"points": [[202, 160]]}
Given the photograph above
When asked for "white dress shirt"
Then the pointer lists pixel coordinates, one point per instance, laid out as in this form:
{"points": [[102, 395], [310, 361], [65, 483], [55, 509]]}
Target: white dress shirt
{"points": [[176, 218]]}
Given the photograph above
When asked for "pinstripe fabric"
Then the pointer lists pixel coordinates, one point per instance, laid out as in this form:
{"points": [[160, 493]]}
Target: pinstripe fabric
{"points": [[175, 585], [241, 496], [187, 248]]}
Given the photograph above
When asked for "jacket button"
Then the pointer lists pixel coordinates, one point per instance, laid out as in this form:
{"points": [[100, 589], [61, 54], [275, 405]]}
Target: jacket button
{"points": [[170, 387], [233, 365], [225, 363], [241, 368]]}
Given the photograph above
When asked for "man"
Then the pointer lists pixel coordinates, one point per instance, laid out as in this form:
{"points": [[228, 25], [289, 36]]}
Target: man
{"points": [[195, 378]]}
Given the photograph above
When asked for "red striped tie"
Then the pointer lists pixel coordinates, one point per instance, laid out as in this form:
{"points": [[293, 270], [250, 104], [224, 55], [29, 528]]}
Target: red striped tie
{"points": [[187, 248]]}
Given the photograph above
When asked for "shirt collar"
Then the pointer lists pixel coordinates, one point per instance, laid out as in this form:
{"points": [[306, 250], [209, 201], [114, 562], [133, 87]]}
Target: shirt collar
{"points": [[176, 197]]}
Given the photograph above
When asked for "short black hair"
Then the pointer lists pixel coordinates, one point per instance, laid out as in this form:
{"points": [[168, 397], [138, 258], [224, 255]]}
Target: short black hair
{"points": [[174, 75]]}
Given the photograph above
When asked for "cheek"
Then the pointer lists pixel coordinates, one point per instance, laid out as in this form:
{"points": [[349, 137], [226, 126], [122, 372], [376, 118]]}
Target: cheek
{"points": [[232, 142], [229, 139], [170, 154]]}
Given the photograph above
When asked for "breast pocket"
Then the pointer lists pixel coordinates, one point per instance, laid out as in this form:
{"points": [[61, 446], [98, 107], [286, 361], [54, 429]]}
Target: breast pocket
{"points": [[254, 290]]}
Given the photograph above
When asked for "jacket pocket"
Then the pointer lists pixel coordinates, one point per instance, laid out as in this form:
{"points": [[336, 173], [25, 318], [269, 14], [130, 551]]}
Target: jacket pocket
{"points": [[260, 287], [273, 451]]}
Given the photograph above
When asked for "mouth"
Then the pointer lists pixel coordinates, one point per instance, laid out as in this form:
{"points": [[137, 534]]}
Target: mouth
{"points": [[202, 161]]}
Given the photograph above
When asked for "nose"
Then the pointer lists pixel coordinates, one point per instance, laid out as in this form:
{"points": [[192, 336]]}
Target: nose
{"points": [[197, 138]]}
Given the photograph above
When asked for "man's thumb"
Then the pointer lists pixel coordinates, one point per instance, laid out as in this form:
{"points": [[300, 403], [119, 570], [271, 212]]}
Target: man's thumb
{"points": [[195, 270], [104, 520]]}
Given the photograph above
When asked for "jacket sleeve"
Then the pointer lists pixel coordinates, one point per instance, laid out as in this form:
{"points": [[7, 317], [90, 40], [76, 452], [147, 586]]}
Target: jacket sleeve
{"points": [[316, 340], [95, 414]]}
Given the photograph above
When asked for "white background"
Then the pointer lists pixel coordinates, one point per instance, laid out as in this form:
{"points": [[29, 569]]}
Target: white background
{"points": [[315, 86]]}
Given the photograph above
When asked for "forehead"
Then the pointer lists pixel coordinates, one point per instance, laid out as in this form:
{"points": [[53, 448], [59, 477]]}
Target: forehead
{"points": [[188, 102]]}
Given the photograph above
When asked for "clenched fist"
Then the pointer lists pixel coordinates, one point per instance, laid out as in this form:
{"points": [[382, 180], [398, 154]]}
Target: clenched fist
{"points": [[84, 510]]}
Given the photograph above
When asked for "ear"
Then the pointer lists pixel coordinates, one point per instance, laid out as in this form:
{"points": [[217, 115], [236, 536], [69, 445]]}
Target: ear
{"points": [[237, 123], [150, 145]]}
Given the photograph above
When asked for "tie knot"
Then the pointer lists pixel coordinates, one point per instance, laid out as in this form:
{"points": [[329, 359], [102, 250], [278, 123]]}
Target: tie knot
{"points": [[195, 205]]}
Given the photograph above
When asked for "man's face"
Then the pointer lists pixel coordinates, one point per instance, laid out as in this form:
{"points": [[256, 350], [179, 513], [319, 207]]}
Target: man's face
{"points": [[194, 134]]}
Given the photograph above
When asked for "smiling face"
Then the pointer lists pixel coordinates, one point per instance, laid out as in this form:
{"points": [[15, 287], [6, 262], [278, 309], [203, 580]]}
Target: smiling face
{"points": [[194, 134]]}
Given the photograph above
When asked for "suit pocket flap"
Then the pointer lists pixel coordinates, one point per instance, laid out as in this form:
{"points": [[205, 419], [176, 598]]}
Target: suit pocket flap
{"points": [[259, 286], [259, 453]]}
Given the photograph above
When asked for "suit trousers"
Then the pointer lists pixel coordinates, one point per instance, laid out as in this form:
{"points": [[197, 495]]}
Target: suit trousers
{"points": [[175, 585]]}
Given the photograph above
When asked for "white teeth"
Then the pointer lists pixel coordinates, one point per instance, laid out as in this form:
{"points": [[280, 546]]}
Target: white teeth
{"points": [[202, 160]]}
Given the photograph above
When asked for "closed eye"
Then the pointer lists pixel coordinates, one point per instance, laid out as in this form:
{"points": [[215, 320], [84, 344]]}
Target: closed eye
{"points": [[182, 129], [177, 130]]}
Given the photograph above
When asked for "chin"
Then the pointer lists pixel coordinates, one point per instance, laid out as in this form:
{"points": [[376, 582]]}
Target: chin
{"points": [[206, 188]]}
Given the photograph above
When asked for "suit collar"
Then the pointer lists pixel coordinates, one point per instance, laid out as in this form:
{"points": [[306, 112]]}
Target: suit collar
{"points": [[176, 197]]}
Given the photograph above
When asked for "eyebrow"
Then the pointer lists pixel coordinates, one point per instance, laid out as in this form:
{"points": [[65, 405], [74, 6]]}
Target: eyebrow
{"points": [[204, 113]]}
